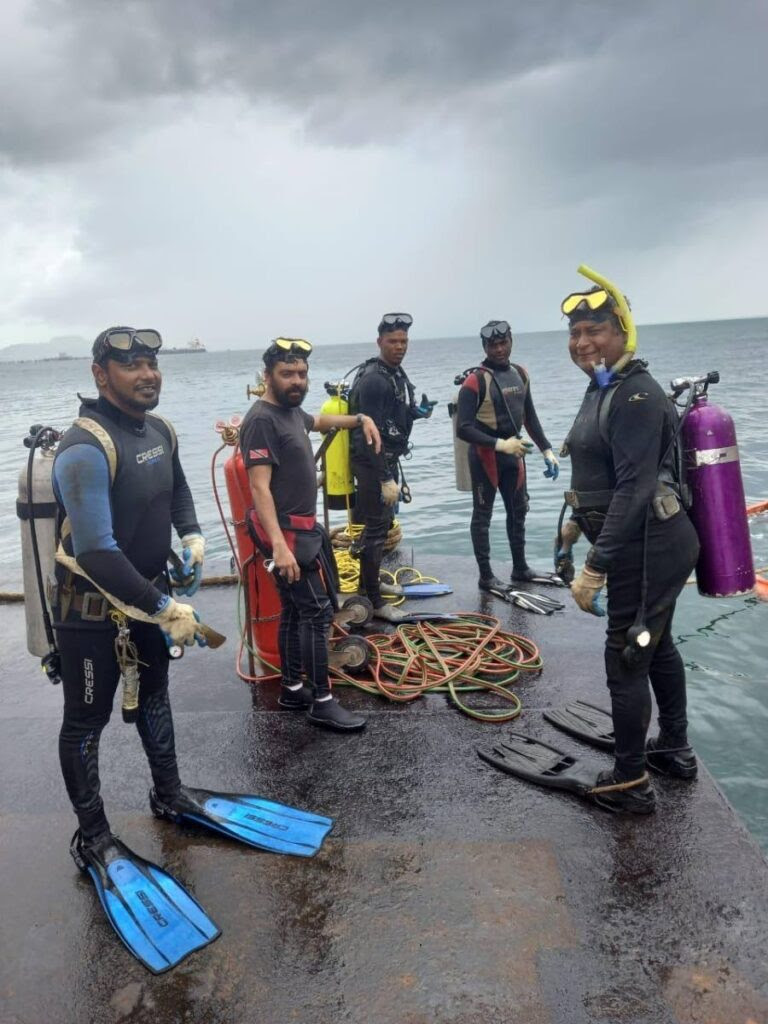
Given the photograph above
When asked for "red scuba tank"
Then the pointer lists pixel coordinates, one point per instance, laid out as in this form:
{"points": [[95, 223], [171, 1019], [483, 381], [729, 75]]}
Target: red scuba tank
{"points": [[718, 511], [262, 599]]}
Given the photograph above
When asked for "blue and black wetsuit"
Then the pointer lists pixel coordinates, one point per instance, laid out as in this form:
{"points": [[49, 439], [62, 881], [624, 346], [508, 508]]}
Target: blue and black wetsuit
{"points": [[496, 403], [120, 534], [620, 460]]}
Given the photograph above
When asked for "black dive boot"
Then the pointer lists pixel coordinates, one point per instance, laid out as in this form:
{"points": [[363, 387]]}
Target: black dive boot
{"points": [[492, 584], [679, 762], [634, 797], [298, 699]]}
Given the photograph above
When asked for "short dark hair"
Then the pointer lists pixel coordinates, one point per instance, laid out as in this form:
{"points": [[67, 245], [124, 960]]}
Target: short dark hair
{"points": [[274, 355]]}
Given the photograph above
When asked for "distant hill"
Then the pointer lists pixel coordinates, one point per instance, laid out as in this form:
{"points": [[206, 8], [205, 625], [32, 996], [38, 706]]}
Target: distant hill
{"points": [[71, 345]]}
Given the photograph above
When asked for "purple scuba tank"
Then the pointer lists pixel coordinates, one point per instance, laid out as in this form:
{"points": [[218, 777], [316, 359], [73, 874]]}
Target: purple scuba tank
{"points": [[718, 509]]}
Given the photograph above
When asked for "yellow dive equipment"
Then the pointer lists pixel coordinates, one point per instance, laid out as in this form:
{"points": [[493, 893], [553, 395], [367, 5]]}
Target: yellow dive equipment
{"points": [[339, 483], [624, 314]]}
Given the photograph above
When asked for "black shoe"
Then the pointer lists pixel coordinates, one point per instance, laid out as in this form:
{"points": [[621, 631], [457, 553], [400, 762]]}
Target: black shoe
{"points": [[296, 700], [492, 584], [329, 714], [85, 851], [637, 796], [526, 575], [677, 762]]}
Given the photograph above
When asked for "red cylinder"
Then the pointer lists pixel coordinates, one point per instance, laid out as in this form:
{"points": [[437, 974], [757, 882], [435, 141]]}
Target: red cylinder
{"points": [[263, 604]]}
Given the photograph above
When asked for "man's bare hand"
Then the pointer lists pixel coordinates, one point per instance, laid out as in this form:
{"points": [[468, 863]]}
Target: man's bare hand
{"points": [[285, 563]]}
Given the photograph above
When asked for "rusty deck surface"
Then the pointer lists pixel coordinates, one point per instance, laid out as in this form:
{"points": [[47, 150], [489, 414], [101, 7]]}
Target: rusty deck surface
{"points": [[447, 893]]}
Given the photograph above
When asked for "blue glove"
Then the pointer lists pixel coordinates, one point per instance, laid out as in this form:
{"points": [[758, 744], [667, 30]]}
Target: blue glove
{"points": [[553, 466], [186, 577], [425, 407]]}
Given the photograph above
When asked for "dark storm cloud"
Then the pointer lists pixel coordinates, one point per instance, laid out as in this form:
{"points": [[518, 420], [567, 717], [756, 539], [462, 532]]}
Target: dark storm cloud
{"points": [[572, 82]]}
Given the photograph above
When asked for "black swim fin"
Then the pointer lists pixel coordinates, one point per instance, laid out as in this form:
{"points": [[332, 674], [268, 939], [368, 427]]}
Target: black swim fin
{"points": [[253, 820], [586, 722], [153, 914], [538, 603], [547, 579], [534, 761]]}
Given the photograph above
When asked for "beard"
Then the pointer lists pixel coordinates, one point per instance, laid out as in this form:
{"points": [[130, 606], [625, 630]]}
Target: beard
{"points": [[290, 397]]}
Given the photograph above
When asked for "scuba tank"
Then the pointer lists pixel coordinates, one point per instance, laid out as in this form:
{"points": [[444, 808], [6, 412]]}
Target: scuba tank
{"points": [[338, 482], [718, 506], [460, 450], [37, 510]]}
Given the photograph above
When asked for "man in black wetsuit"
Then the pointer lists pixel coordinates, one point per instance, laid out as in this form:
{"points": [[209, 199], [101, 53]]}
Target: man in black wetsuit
{"points": [[494, 405], [283, 479], [382, 391], [120, 485], [626, 500]]}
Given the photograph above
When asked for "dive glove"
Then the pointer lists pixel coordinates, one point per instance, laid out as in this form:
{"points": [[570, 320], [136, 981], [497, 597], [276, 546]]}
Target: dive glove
{"points": [[425, 407], [181, 622], [553, 466], [390, 492], [186, 578], [566, 538], [513, 446], [586, 590]]}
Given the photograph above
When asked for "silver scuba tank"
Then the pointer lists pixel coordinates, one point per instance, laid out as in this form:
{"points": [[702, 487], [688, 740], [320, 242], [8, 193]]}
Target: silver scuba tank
{"points": [[44, 510], [460, 451]]}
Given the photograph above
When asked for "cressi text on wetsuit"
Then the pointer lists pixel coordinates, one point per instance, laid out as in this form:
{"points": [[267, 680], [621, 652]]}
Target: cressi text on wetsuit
{"points": [[621, 460], [496, 403], [386, 395], [120, 534]]}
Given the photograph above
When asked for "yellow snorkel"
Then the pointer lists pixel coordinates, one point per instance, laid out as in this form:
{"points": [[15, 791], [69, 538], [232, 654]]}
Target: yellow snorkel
{"points": [[625, 319]]}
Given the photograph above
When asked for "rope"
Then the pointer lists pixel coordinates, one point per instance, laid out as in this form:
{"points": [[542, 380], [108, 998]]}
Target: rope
{"points": [[469, 655]]}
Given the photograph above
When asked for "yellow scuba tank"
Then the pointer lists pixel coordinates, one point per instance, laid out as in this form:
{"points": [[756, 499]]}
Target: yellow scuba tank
{"points": [[338, 483]]}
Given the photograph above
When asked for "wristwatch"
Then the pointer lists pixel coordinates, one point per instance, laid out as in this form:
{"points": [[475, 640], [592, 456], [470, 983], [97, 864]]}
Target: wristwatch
{"points": [[359, 419]]}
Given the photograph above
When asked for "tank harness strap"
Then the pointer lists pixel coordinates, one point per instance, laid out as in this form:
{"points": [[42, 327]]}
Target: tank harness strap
{"points": [[110, 453], [169, 427]]}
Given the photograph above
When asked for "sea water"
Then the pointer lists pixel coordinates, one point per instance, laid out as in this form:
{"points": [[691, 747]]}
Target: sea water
{"points": [[723, 642]]}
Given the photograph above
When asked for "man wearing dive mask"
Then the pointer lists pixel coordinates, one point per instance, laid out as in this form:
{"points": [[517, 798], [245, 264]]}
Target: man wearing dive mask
{"points": [[383, 391], [119, 482], [494, 405], [283, 480], [625, 498]]}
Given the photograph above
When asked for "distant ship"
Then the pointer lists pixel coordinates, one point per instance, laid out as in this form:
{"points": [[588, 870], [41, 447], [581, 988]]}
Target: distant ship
{"points": [[193, 347]]}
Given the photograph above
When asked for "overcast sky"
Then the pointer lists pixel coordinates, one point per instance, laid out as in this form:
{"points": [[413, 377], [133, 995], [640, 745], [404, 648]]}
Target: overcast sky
{"points": [[233, 170]]}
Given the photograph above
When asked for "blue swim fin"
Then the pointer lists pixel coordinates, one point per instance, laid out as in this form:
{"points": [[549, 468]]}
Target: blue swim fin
{"points": [[250, 819], [152, 913], [416, 590]]}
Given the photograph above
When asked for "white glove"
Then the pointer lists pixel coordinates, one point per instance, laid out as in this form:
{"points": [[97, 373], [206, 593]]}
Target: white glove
{"points": [[553, 466], [390, 492], [181, 622], [195, 544], [513, 446]]}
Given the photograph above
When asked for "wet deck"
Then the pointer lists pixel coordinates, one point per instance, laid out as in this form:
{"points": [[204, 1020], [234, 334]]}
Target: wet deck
{"points": [[446, 894]]}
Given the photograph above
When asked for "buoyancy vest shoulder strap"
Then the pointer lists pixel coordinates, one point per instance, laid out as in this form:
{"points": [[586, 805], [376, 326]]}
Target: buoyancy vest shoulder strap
{"points": [[169, 428], [106, 442]]}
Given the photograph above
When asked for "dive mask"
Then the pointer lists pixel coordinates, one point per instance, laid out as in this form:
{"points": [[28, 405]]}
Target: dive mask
{"points": [[121, 343], [395, 322], [600, 301], [297, 346], [495, 329]]}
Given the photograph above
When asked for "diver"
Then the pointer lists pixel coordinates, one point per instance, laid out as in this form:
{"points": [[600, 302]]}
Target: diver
{"points": [[121, 489], [494, 404], [383, 391], [626, 498], [281, 472]]}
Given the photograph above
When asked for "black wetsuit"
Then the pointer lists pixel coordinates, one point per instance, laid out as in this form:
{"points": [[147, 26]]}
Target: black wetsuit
{"points": [[272, 435], [386, 395], [509, 409], [120, 536], [617, 468]]}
